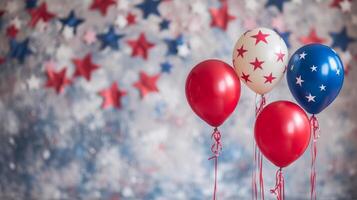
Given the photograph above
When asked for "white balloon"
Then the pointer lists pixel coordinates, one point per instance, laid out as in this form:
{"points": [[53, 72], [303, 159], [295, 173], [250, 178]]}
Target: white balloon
{"points": [[260, 57]]}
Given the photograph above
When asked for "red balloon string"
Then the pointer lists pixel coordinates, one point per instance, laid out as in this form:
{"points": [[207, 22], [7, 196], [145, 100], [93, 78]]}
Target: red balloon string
{"points": [[315, 134], [279, 189], [258, 159], [216, 149]]}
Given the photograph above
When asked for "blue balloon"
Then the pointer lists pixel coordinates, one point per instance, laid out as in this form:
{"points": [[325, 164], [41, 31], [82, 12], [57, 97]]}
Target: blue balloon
{"points": [[315, 76]]}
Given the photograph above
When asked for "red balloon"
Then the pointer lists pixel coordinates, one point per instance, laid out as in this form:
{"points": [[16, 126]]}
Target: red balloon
{"points": [[213, 91], [282, 132]]}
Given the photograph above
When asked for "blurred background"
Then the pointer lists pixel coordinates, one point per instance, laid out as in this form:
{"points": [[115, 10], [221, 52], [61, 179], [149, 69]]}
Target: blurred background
{"points": [[92, 102]]}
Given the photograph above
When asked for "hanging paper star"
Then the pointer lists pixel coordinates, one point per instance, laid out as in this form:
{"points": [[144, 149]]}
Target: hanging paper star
{"points": [[221, 17], [112, 96], [172, 45], [312, 38], [164, 24], [84, 67], [40, 13], [31, 4], [140, 46], [19, 50], [71, 21], [110, 39], [337, 3], [341, 39], [102, 5], [12, 31], [131, 19], [278, 3], [147, 84], [89, 37], [57, 80], [166, 67], [149, 7], [2, 60]]}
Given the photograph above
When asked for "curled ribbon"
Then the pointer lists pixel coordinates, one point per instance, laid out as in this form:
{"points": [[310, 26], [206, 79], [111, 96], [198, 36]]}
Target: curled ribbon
{"points": [[314, 123], [279, 189], [258, 159], [216, 149]]}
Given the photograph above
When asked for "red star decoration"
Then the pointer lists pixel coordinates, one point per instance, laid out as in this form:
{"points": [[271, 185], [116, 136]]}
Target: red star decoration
{"points": [[241, 51], [40, 13], [220, 16], [140, 46], [84, 67], [312, 38], [131, 19], [147, 84], [280, 56], [245, 77], [102, 5], [336, 3], [112, 96], [12, 31], [269, 78], [57, 80], [260, 37], [257, 64]]}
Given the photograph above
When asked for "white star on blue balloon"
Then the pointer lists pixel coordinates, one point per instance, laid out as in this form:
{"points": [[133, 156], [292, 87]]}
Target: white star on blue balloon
{"points": [[72, 21], [110, 39], [172, 45], [341, 39], [149, 7], [19, 50]]}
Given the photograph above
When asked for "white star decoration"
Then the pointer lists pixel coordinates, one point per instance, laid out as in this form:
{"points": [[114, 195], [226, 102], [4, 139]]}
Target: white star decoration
{"points": [[322, 87], [299, 81], [302, 55], [345, 6], [310, 98], [313, 68], [292, 67], [338, 72]]}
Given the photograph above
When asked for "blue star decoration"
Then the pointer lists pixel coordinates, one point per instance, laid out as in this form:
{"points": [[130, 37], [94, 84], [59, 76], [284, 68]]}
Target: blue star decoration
{"points": [[164, 24], [285, 36], [278, 3], [31, 4], [110, 39], [19, 50], [166, 67], [72, 21], [149, 7], [172, 45], [341, 39]]}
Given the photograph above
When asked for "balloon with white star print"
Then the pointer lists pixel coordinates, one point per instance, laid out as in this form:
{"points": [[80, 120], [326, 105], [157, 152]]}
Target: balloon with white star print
{"points": [[260, 58], [315, 76]]}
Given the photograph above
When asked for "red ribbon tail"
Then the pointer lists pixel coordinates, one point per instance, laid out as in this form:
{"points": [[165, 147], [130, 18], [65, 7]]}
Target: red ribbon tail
{"points": [[279, 189], [261, 178], [216, 149], [314, 123]]}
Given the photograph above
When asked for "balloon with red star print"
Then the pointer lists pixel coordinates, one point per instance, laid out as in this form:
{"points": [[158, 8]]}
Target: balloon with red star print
{"points": [[260, 57]]}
